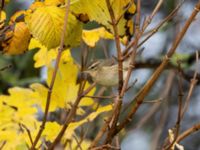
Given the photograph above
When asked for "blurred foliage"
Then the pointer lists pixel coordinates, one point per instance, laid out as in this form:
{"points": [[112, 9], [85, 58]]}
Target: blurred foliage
{"points": [[21, 72]]}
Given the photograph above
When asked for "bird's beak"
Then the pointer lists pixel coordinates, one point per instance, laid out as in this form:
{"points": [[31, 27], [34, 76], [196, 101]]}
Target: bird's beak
{"points": [[85, 75]]}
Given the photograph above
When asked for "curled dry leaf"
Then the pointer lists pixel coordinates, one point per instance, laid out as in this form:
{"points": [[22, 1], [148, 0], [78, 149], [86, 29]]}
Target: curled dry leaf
{"points": [[14, 38], [18, 42]]}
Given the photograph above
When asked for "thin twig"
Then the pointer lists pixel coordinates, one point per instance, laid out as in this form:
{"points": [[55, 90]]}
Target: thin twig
{"points": [[164, 108], [159, 128], [125, 85], [145, 90], [117, 43], [178, 121], [188, 132], [118, 101], [2, 145], [153, 101], [106, 146], [181, 112], [149, 18], [78, 145], [145, 24], [191, 89], [48, 100], [170, 16], [126, 81], [71, 115], [28, 132], [101, 97], [6, 67], [154, 109]]}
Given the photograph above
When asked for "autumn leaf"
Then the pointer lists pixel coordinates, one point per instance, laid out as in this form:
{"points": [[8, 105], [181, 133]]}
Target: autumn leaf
{"points": [[43, 57], [2, 18], [97, 11], [19, 108], [19, 41], [90, 117], [52, 128], [15, 109], [90, 37], [54, 2], [46, 24], [65, 85], [17, 17]]}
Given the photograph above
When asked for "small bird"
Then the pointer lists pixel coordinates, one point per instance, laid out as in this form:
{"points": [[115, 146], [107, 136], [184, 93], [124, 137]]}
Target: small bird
{"points": [[105, 72]]}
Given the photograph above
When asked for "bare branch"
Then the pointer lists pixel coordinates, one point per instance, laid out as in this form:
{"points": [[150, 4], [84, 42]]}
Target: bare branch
{"points": [[48, 100]]}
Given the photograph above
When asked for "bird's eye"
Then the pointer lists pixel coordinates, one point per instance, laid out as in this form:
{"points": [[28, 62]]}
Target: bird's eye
{"points": [[92, 67]]}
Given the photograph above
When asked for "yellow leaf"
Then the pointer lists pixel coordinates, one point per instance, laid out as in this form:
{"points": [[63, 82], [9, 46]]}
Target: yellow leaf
{"points": [[13, 140], [19, 107], [54, 2], [19, 41], [34, 6], [46, 25], [89, 118], [90, 37], [57, 101], [3, 16], [25, 112], [51, 130], [97, 11], [43, 57], [16, 108], [65, 87]]}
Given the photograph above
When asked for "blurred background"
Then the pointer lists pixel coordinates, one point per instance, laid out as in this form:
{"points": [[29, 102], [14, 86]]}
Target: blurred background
{"points": [[149, 127]]}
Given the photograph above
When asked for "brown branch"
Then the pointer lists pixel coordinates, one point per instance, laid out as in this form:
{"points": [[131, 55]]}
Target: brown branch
{"points": [[117, 43], [48, 100], [149, 18], [28, 132], [101, 132], [2, 4], [145, 25], [99, 135], [192, 85], [125, 85], [145, 90], [134, 52], [6, 67], [188, 132], [159, 128], [118, 101], [105, 147], [178, 121], [101, 97], [169, 17], [78, 145], [3, 144], [71, 115], [153, 63], [166, 90]]}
